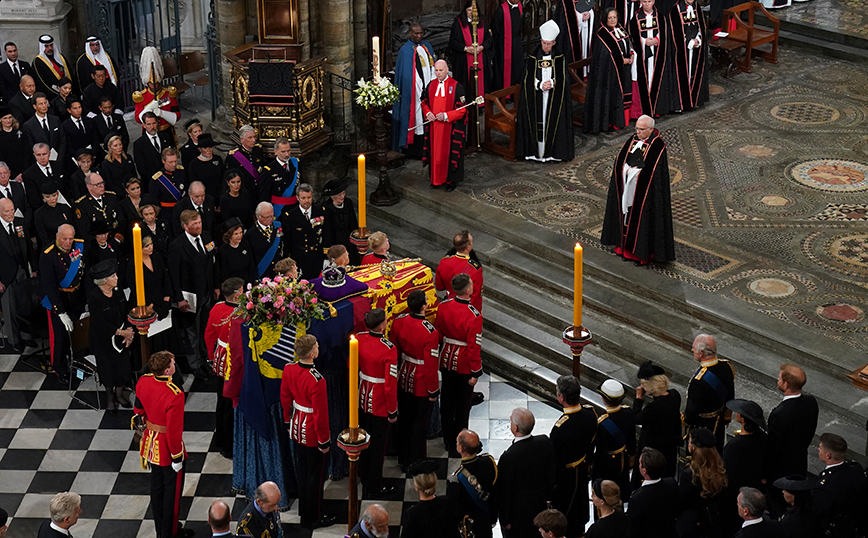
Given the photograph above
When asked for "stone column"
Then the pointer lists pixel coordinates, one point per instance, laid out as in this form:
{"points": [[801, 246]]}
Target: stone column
{"points": [[304, 28], [231, 21], [337, 38], [23, 21], [362, 43]]}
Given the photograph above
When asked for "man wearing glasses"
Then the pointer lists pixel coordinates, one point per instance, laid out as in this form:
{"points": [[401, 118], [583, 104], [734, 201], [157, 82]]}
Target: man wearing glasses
{"points": [[98, 206]]}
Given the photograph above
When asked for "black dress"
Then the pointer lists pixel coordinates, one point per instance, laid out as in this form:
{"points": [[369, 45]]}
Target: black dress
{"points": [[158, 286], [161, 236], [338, 225], [231, 206], [14, 150], [58, 107], [116, 173], [236, 261], [108, 314], [611, 526], [210, 173], [661, 429], [130, 213]]}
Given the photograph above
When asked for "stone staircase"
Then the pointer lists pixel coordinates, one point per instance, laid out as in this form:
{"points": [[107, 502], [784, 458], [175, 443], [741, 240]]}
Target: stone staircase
{"points": [[635, 313]]}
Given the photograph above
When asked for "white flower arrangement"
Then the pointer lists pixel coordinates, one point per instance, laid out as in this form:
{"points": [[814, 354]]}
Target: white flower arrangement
{"points": [[376, 93]]}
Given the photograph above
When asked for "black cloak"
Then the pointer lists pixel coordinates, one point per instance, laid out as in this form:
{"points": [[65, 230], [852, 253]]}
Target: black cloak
{"points": [[502, 43], [458, 58], [610, 87], [558, 134], [693, 90], [647, 234], [660, 97]]}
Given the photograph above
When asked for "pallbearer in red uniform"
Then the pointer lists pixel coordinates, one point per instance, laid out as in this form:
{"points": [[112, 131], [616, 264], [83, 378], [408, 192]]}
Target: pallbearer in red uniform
{"points": [[216, 343], [443, 148], [306, 415], [418, 345], [462, 261], [378, 398], [160, 405], [163, 102], [460, 359]]}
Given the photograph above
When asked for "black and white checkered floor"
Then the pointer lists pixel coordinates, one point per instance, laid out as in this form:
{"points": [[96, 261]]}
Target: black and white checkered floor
{"points": [[51, 443]]}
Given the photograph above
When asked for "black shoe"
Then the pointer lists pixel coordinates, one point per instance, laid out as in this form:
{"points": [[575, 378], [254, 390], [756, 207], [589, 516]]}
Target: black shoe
{"points": [[478, 398], [62, 378], [450, 187], [324, 521], [184, 533], [379, 493], [433, 186]]}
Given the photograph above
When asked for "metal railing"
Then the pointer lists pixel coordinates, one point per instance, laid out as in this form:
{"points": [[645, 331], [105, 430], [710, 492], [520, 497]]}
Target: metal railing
{"points": [[348, 129]]}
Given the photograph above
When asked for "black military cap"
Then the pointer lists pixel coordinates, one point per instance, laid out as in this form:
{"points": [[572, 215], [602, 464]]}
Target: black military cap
{"points": [[206, 141], [749, 410], [104, 269], [335, 186], [796, 483], [100, 227], [648, 370], [703, 438], [423, 467], [49, 187]]}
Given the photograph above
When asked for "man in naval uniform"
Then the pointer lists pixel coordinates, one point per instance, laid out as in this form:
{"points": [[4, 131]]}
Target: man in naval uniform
{"points": [[49, 67], [418, 344], [304, 399], [414, 70], [260, 518], [169, 185], [280, 177], [249, 157], [98, 205], [471, 486], [159, 408], [94, 55], [709, 389], [615, 443], [572, 438], [162, 102], [304, 224], [266, 240], [839, 501], [544, 128]]}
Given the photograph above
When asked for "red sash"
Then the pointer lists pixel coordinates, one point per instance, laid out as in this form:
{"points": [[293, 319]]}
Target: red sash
{"points": [[507, 43]]}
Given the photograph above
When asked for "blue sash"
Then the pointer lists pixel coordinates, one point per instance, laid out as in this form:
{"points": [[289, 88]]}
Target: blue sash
{"points": [[287, 193], [266, 260], [173, 190], [71, 273], [613, 430], [716, 384], [482, 505]]}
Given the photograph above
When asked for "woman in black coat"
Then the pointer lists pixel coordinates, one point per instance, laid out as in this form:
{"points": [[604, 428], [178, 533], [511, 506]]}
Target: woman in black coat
{"points": [[13, 145], [117, 167], [157, 229], [235, 202], [110, 334], [610, 88], [660, 419], [705, 498], [158, 292], [132, 203], [800, 520], [235, 256], [612, 522]]}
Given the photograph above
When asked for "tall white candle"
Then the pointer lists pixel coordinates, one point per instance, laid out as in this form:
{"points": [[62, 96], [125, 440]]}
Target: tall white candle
{"points": [[375, 47]]}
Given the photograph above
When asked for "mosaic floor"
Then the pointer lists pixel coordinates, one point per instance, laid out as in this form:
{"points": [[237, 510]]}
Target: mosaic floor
{"points": [[840, 16], [769, 185]]}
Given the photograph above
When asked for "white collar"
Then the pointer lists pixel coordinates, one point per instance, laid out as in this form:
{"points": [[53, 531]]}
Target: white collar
{"points": [[45, 117], [264, 227], [46, 167], [649, 482], [192, 239], [749, 522], [833, 465], [11, 63], [281, 163], [305, 211], [791, 396], [61, 530], [522, 438], [709, 362]]}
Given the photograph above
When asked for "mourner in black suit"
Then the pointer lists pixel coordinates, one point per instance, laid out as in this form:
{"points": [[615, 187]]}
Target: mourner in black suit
{"points": [[751, 505], [45, 128], [95, 91], [653, 507], [267, 241], [11, 71], [526, 477], [340, 218], [261, 518], [207, 167], [22, 102], [193, 271], [41, 171], [147, 149], [374, 522], [79, 132], [840, 499], [792, 424], [106, 122], [50, 216], [15, 264], [302, 226], [15, 192], [199, 202], [65, 510]]}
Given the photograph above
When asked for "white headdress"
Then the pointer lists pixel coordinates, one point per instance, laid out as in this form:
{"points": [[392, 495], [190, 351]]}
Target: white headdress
{"points": [[102, 58], [151, 66], [549, 31], [46, 39]]}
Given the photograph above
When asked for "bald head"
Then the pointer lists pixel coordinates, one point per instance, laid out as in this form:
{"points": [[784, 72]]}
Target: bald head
{"points": [[377, 520], [468, 443], [704, 347], [521, 422], [65, 236], [197, 193], [441, 70], [267, 496], [218, 517], [7, 210], [27, 85]]}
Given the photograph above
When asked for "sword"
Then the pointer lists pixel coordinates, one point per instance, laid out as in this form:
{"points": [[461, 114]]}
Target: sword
{"points": [[478, 101]]}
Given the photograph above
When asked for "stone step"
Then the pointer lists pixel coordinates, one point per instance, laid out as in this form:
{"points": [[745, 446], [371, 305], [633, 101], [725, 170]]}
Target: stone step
{"points": [[814, 32]]}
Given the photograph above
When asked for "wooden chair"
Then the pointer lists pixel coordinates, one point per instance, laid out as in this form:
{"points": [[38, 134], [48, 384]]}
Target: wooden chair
{"points": [[194, 63], [171, 76], [502, 120], [579, 87], [752, 36]]}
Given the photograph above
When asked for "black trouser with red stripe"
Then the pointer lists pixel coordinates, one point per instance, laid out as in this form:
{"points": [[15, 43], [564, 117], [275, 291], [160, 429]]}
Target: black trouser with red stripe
{"points": [[310, 470], [166, 487], [59, 344]]}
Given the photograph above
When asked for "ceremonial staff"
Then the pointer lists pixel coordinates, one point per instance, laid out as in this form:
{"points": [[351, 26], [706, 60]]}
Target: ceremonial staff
{"points": [[474, 22]]}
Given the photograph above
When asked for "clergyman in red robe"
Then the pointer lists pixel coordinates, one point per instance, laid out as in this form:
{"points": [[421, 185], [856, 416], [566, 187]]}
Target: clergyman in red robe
{"points": [[445, 134]]}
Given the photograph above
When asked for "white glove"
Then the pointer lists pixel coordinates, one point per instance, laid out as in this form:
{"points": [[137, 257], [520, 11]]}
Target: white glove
{"points": [[158, 112], [67, 322], [169, 116], [151, 107], [177, 466]]}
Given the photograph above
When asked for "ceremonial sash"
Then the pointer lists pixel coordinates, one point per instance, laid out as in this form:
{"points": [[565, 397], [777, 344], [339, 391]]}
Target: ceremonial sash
{"points": [[286, 198], [507, 44], [471, 491], [246, 164], [715, 383], [613, 430], [54, 67], [266, 260], [173, 190], [71, 273]]}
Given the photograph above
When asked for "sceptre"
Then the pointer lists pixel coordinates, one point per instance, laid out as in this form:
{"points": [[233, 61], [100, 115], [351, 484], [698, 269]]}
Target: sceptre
{"points": [[478, 101]]}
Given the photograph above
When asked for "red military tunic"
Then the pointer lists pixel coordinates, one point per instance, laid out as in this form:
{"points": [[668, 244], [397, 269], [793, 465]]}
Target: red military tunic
{"points": [[305, 405], [217, 337], [373, 259], [378, 375], [441, 131], [456, 264], [461, 326], [144, 97], [162, 404], [418, 346]]}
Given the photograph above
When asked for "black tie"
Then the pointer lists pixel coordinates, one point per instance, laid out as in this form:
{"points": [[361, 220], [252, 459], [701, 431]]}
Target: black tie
{"points": [[16, 248], [108, 121], [199, 246], [201, 213], [16, 71], [45, 126], [81, 126], [286, 166], [156, 143], [6, 193], [48, 171]]}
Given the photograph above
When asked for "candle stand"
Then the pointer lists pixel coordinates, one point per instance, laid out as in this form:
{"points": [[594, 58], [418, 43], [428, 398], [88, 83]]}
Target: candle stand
{"points": [[359, 239], [577, 338], [353, 441], [384, 195]]}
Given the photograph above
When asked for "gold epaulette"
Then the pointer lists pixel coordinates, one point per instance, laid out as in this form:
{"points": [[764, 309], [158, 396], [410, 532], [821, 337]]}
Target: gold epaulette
{"points": [[700, 373], [601, 418], [266, 167], [113, 193], [80, 199], [173, 92], [561, 420], [48, 249], [157, 175], [179, 167], [174, 388], [138, 97], [232, 151]]}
